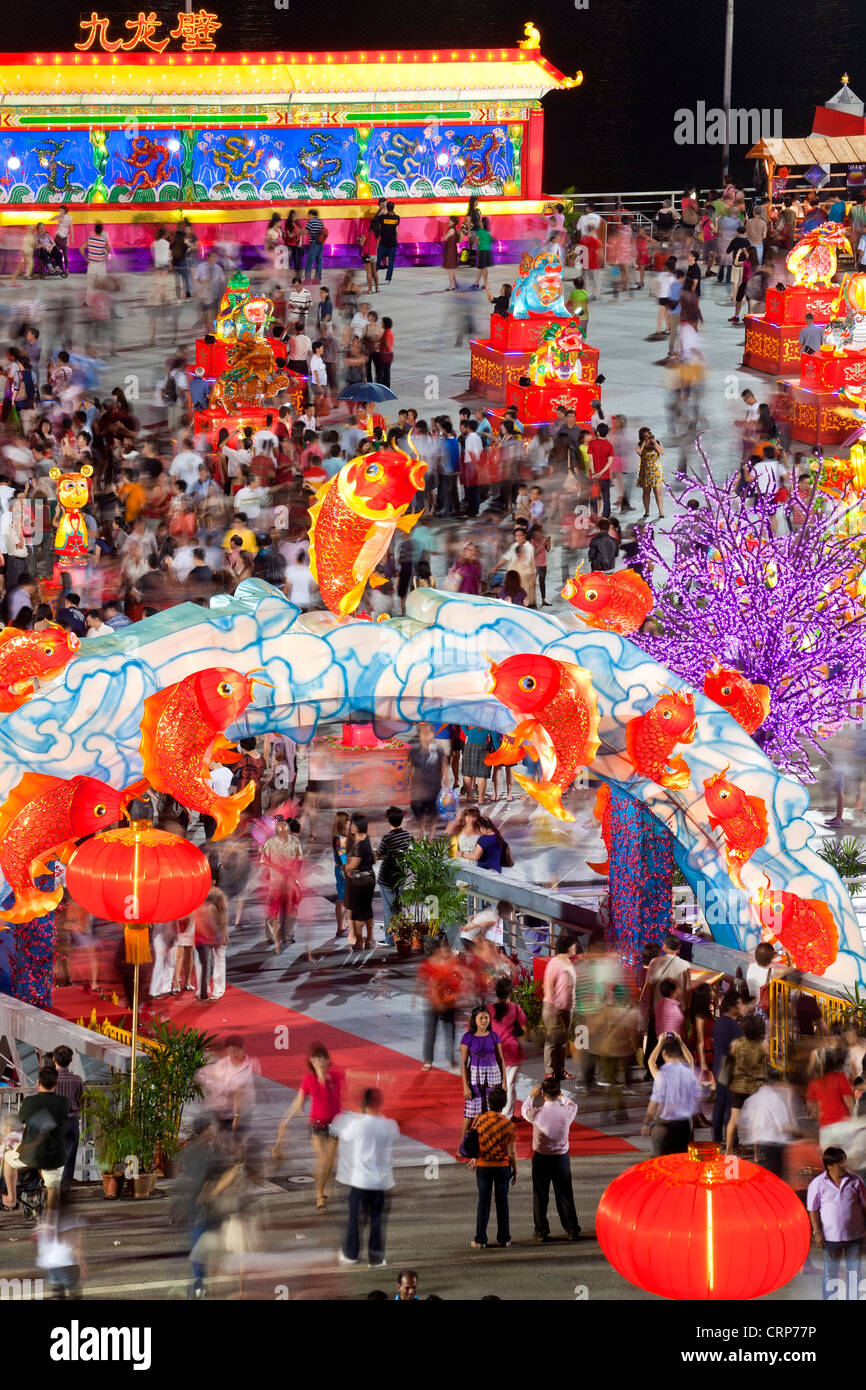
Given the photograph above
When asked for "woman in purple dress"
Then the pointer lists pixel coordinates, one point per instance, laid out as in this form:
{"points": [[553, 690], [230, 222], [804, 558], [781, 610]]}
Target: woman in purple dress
{"points": [[481, 1065]]}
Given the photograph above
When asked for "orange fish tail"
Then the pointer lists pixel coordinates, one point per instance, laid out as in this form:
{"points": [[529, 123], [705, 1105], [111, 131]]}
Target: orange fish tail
{"points": [[547, 794], [600, 868], [226, 810], [30, 904]]}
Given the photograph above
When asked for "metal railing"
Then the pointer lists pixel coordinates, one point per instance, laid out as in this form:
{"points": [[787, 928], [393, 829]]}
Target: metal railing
{"points": [[539, 914], [782, 1025]]}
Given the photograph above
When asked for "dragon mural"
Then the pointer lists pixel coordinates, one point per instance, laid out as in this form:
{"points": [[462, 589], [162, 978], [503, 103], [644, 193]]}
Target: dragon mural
{"points": [[403, 158], [143, 152], [479, 153], [236, 150], [317, 167], [47, 154]]}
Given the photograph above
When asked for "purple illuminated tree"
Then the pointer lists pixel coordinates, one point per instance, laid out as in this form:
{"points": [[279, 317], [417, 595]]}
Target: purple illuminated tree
{"points": [[780, 608]]}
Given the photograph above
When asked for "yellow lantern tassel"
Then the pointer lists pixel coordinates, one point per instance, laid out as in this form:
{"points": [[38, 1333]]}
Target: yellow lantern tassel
{"points": [[137, 942]]}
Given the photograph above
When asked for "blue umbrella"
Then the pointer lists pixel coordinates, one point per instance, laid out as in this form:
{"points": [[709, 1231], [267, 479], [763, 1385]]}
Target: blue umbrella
{"points": [[367, 391]]}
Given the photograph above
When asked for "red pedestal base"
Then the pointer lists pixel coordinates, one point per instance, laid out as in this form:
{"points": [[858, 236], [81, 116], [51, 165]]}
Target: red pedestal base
{"points": [[213, 356], [827, 371], [210, 422], [814, 417], [771, 347], [794, 302], [491, 370]]}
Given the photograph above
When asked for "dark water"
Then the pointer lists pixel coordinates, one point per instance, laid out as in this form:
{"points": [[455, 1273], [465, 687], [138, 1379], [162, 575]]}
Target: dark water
{"points": [[641, 62]]}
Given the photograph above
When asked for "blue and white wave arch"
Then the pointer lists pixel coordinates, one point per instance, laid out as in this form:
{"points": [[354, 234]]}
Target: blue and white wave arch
{"points": [[432, 664]]}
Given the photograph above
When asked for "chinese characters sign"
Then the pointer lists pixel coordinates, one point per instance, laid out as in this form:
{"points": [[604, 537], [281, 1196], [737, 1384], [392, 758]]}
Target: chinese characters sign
{"points": [[196, 31]]}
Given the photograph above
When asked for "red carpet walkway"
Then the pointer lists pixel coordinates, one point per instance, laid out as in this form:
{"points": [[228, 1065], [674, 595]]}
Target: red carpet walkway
{"points": [[428, 1106]]}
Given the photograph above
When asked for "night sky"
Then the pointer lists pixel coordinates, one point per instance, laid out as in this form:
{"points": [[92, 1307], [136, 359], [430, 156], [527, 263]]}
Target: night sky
{"points": [[641, 62]]}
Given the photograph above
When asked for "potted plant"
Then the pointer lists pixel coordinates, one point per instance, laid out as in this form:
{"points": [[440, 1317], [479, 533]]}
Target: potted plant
{"points": [[848, 858], [430, 895], [402, 929], [106, 1121]]}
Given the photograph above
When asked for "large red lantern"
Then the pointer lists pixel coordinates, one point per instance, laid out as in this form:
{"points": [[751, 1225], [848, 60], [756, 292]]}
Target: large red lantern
{"points": [[137, 875], [703, 1226]]}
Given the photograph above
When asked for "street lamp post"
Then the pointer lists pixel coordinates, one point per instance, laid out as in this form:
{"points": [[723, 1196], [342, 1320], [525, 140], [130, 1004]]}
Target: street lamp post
{"points": [[726, 95]]}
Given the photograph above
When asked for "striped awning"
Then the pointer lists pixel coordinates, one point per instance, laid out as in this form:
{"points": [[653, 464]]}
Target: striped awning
{"points": [[818, 149]]}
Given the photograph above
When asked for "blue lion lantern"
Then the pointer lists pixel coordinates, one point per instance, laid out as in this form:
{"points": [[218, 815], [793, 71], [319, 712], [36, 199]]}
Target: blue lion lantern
{"points": [[538, 288], [447, 803]]}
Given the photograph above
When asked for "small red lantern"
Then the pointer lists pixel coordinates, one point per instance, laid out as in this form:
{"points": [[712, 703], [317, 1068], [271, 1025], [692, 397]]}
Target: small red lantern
{"points": [[137, 875], [703, 1226]]}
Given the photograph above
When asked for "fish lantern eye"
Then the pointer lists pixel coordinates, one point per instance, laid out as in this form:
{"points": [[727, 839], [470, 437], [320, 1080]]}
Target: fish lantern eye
{"points": [[224, 688], [374, 471], [723, 796], [527, 683], [726, 690], [591, 594], [667, 714], [49, 651], [100, 810], [778, 907]]}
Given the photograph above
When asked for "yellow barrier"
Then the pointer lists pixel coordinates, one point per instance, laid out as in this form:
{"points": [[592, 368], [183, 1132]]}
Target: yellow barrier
{"points": [[123, 1035], [782, 1027]]}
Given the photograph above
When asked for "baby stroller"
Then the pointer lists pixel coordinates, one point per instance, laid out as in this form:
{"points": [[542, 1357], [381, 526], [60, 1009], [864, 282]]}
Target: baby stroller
{"points": [[31, 1195], [48, 263]]}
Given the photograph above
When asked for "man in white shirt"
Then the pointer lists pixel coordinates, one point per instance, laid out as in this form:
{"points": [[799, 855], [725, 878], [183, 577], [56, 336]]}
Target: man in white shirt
{"points": [[264, 440], [185, 463], [300, 299], [183, 561], [62, 234], [318, 371], [589, 223], [365, 1165], [252, 500], [358, 323], [767, 1120], [95, 626], [676, 1096]]}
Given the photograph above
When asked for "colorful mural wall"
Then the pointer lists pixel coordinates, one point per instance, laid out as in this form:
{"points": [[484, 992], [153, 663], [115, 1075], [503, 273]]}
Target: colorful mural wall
{"points": [[340, 162]]}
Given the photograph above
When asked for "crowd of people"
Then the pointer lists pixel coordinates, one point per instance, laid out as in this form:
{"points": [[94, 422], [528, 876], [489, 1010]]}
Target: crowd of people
{"points": [[176, 514]]}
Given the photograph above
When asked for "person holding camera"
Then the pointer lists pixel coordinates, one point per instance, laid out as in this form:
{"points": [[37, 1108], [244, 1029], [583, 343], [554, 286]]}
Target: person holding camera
{"points": [[551, 1115]]}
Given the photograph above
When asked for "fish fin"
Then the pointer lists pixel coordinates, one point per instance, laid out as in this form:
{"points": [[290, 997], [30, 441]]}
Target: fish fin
{"points": [[735, 867], [32, 903], [602, 801], [547, 794], [407, 521], [377, 580], [11, 700], [350, 600], [154, 707], [506, 755], [678, 776], [599, 868], [226, 810], [374, 549], [32, 784], [713, 823], [627, 579], [759, 806], [223, 750], [689, 735]]}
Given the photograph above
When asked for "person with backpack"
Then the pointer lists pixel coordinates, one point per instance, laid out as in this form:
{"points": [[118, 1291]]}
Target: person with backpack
{"points": [[391, 875], [441, 979], [387, 253], [316, 234]]}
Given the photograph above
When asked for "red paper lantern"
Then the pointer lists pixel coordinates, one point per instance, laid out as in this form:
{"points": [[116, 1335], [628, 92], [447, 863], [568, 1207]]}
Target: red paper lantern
{"points": [[137, 875], [703, 1226]]}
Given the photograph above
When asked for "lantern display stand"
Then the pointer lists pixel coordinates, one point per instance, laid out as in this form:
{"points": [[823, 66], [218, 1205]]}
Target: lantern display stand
{"points": [[138, 875], [700, 1225]]}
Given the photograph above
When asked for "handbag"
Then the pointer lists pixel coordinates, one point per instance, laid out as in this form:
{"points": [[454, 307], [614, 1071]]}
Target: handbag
{"points": [[470, 1146]]}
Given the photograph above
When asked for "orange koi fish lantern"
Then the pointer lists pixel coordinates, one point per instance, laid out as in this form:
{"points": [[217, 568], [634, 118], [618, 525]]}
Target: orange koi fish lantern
{"points": [[353, 520], [696, 1226], [805, 927], [41, 819], [650, 740], [73, 494], [26, 657], [559, 722], [746, 701], [182, 734], [812, 262], [741, 818], [137, 875], [611, 602]]}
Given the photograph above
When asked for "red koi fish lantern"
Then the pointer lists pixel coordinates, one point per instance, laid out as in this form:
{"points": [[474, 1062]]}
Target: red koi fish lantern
{"points": [[702, 1226], [137, 875]]}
